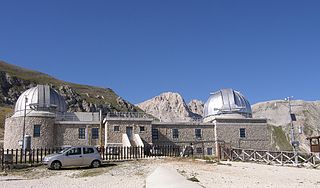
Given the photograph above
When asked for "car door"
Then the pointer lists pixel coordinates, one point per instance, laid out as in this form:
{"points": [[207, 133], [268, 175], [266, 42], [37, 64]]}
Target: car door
{"points": [[88, 155], [73, 157]]}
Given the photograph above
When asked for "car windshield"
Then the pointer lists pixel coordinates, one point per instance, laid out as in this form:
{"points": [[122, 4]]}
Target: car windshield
{"points": [[64, 150]]}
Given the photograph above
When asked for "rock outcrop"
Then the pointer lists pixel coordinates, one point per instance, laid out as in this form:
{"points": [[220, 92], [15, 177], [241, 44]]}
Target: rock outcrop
{"points": [[277, 113], [196, 106], [15, 80], [169, 107]]}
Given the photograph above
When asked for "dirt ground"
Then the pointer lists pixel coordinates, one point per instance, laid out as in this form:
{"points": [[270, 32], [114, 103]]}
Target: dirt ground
{"points": [[133, 174]]}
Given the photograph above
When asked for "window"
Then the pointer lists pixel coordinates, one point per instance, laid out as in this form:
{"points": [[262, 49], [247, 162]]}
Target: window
{"points": [[95, 133], [199, 150], [88, 150], [198, 133], [82, 132], [209, 151], [36, 130], [116, 128], [155, 134], [141, 128], [175, 133], [74, 151], [242, 132]]}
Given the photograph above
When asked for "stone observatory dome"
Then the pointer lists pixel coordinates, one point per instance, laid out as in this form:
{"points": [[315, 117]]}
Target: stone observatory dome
{"points": [[40, 100], [227, 102]]}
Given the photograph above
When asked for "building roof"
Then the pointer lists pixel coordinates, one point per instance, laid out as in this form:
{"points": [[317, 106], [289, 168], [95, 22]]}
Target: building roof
{"points": [[227, 101], [41, 99]]}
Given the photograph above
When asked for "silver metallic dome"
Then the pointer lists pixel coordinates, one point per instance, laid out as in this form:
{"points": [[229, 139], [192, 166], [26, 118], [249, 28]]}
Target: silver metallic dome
{"points": [[41, 99], [227, 101]]}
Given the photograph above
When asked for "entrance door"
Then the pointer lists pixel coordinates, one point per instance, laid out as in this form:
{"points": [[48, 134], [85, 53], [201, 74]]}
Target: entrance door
{"points": [[129, 132]]}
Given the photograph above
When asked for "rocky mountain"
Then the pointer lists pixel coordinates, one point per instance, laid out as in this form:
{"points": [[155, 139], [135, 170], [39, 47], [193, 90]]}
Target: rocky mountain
{"points": [[196, 106], [171, 107], [277, 112], [14, 80]]}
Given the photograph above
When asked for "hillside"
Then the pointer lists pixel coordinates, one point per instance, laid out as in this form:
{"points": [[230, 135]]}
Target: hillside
{"points": [[277, 112], [171, 106], [14, 80]]}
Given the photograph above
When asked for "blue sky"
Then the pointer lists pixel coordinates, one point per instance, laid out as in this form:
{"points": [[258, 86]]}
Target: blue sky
{"points": [[265, 49]]}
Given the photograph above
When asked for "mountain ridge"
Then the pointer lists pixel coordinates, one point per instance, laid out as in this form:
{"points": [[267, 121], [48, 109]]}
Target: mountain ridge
{"points": [[14, 80]]}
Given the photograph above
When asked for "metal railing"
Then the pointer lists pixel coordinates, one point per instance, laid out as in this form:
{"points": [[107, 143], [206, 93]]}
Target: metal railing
{"points": [[128, 115], [79, 116]]}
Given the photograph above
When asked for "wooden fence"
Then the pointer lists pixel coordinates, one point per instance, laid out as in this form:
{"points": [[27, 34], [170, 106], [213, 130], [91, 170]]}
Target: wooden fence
{"points": [[35, 156], [271, 157]]}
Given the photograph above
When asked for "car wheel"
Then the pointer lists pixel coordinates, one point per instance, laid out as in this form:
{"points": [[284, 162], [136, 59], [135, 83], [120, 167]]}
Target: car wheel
{"points": [[95, 164], [55, 165]]}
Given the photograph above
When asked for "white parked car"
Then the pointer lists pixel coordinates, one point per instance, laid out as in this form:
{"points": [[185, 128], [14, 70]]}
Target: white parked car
{"points": [[73, 156]]}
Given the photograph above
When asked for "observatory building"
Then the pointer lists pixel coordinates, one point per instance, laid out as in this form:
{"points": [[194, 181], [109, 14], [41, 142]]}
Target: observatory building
{"points": [[41, 119]]}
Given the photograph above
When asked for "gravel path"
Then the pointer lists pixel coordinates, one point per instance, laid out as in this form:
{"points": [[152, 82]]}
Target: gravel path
{"points": [[134, 173]]}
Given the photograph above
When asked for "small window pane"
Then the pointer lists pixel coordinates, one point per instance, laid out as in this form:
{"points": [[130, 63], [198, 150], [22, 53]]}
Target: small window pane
{"points": [[95, 133], [242, 133], [199, 150], [82, 132], [141, 128], [175, 133], [88, 150], [116, 128], [198, 133], [155, 134], [36, 130], [74, 151]]}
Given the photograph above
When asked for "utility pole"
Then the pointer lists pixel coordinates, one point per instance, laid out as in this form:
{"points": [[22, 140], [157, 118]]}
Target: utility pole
{"points": [[100, 128], [24, 121], [294, 142]]}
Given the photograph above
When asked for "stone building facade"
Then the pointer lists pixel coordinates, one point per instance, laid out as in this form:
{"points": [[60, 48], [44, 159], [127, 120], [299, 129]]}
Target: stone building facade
{"points": [[42, 111]]}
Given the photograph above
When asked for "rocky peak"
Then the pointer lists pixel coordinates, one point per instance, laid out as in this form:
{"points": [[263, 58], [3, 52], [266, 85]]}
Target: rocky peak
{"points": [[168, 107], [196, 106]]}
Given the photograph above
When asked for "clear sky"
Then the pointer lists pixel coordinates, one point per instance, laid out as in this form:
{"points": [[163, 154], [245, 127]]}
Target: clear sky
{"points": [[266, 49]]}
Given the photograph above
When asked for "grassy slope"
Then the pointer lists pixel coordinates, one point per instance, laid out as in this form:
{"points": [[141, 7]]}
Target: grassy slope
{"points": [[281, 141], [3, 112], [110, 97], [41, 78]]}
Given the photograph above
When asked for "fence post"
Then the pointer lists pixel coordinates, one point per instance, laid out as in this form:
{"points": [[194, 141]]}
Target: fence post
{"points": [[2, 156], [25, 155], [17, 156], [117, 153], [33, 156], [102, 151], [38, 156], [41, 154]]}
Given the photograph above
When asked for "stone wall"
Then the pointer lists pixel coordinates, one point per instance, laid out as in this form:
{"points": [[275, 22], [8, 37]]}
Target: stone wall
{"points": [[67, 134], [186, 136], [257, 135], [14, 131], [115, 137]]}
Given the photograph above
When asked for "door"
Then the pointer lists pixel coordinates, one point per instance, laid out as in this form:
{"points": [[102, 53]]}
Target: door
{"points": [[129, 132], [88, 155], [73, 157]]}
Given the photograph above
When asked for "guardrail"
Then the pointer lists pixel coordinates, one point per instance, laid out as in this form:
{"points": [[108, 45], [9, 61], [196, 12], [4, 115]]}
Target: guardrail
{"points": [[129, 115], [270, 157]]}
